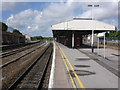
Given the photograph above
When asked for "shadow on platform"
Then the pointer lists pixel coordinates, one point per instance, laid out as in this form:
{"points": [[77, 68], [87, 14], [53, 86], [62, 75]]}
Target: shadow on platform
{"points": [[82, 72], [85, 46]]}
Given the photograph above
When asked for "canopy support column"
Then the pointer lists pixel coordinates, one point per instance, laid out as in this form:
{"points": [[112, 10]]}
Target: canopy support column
{"points": [[98, 47], [104, 45], [92, 43], [72, 39]]}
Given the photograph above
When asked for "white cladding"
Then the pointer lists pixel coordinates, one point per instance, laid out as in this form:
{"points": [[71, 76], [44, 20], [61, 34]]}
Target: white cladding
{"points": [[27, 38], [81, 24]]}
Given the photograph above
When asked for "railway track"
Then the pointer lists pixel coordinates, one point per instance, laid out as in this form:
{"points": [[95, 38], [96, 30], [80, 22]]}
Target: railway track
{"points": [[16, 59], [32, 77], [12, 52], [6, 48]]}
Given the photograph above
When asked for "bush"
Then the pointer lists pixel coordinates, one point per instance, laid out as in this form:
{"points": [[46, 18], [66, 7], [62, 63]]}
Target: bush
{"points": [[42, 38], [37, 38], [113, 34], [3, 26], [15, 31]]}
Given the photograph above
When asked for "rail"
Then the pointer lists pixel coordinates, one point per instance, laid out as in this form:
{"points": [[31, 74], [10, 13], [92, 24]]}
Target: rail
{"points": [[35, 70], [16, 59]]}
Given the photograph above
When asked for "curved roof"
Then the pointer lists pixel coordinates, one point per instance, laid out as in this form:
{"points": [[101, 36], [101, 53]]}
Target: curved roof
{"points": [[83, 24]]}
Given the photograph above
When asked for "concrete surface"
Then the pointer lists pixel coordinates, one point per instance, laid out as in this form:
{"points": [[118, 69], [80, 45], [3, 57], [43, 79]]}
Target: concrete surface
{"points": [[60, 77], [111, 55], [92, 74]]}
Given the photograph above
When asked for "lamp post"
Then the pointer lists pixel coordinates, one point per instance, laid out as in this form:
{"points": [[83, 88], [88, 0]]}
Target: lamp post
{"points": [[92, 41], [104, 44]]}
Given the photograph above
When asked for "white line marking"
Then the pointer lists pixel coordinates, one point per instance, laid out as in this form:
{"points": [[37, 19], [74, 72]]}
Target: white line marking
{"points": [[52, 69]]}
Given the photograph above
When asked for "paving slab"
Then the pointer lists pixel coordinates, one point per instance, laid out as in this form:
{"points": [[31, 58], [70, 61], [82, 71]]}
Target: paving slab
{"points": [[92, 74], [111, 56], [60, 78]]}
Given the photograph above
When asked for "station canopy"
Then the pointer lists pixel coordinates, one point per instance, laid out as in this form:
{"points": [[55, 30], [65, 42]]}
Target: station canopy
{"points": [[84, 25]]}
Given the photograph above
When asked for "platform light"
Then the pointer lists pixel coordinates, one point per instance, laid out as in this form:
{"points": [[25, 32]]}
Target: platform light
{"points": [[89, 5], [92, 45], [96, 5]]}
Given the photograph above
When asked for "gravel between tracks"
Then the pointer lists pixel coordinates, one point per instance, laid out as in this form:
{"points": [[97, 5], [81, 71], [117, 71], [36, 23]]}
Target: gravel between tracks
{"points": [[13, 71], [18, 54], [47, 75]]}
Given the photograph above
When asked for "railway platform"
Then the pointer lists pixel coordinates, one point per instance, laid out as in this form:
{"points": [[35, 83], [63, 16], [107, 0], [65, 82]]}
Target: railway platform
{"points": [[109, 57], [74, 68], [60, 78]]}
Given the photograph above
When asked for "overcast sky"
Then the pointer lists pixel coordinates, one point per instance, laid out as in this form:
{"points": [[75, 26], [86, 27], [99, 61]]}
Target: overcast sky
{"points": [[36, 18]]}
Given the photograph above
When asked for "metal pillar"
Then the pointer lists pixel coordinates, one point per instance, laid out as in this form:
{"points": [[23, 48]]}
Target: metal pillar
{"points": [[92, 46], [98, 46], [92, 25], [72, 39], [55, 38], [92, 42], [104, 45]]}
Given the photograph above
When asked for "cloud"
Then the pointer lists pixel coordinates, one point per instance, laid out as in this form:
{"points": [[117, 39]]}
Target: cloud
{"points": [[27, 21], [35, 22], [104, 11]]}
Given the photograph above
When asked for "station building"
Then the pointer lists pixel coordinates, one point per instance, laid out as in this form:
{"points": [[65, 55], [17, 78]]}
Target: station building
{"points": [[71, 32], [11, 38]]}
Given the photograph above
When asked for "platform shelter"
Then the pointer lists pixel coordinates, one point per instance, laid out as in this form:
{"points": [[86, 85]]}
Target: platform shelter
{"points": [[71, 32]]}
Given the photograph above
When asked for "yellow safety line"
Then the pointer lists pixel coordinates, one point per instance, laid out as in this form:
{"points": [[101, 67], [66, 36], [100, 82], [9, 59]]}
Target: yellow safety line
{"points": [[78, 79], [72, 81]]}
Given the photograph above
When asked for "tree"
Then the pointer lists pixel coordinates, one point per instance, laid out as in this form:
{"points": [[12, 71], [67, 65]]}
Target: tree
{"points": [[113, 34], [118, 34], [48, 38], [107, 34], [37, 38], [15, 31], [3, 26]]}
